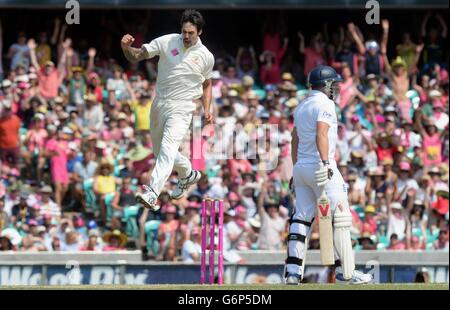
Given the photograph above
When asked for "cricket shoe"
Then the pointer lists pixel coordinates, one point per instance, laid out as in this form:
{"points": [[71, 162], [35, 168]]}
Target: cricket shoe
{"points": [[148, 198], [358, 277], [293, 279], [183, 184]]}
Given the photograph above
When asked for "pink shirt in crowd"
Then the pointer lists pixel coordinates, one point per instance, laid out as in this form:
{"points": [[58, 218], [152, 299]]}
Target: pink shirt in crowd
{"points": [[48, 84], [312, 59], [58, 162], [432, 147]]}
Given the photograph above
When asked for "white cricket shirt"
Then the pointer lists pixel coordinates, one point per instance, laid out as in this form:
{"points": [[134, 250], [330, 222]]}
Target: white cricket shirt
{"points": [[316, 107], [181, 72]]}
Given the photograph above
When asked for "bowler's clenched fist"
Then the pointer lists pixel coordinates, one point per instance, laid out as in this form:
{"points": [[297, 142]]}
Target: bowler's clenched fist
{"points": [[127, 41]]}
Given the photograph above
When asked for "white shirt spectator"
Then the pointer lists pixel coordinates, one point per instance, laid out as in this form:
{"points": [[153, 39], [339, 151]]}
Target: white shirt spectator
{"points": [[190, 248], [270, 232], [396, 226], [405, 185]]}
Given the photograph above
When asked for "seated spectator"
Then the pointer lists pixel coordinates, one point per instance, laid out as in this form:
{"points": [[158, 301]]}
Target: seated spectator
{"points": [[92, 244], [395, 244], [167, 233], [72, 242], [115, 240], [191, 249], [48, 207], [369, 225], [442, 242], [104, 183], [124, 198], [366, 241]]}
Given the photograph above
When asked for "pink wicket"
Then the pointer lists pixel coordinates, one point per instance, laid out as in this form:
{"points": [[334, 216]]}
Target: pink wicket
{"points": [[220, 263], [203, 258], [211, 205]]}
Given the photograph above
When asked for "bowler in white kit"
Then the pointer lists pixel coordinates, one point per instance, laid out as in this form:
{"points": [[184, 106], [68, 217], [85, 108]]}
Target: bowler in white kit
{"points": [[184, 75], [313, 151]]}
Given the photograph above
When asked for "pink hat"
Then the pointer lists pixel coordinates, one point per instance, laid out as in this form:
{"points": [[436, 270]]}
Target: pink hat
{"points": [[437, 103], [380, 119], [354, 119], [240, 209], [168, 208], [405, 166], [193, 205], [233, 196], [93, 75]]}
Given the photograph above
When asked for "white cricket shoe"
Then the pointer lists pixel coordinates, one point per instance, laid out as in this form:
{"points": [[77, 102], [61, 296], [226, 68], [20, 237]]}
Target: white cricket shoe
{"points": [[358, 277], [183, 184], [293, 279], [148, 198]]}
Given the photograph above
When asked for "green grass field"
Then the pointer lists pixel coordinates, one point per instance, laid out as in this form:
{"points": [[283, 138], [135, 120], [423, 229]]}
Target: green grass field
{"points": [[261, 287]]}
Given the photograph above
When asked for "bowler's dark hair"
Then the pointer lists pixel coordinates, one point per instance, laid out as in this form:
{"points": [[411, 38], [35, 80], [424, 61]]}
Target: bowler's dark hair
{"points": [[194, 17]]}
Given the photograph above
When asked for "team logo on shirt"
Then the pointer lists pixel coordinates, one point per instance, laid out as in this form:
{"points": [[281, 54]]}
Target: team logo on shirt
{"points": [[175, 52], [195, 60], [325, 114]]}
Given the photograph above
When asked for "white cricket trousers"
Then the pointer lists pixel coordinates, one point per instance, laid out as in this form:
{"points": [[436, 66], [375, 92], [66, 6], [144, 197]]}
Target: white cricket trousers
{"points": [[307, 193], [169, 122]]}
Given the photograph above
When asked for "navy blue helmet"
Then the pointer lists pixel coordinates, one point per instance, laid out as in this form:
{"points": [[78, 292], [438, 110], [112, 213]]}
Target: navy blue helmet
{"points": [[323, 75]]}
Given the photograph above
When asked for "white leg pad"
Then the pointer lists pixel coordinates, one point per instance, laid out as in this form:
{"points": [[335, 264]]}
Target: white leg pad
{"points": [[342, 239]]}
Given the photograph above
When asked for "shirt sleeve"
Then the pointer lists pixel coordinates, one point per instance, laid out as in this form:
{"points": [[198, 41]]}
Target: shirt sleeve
{"points": [[209, 66], [326, 112], [153, 48]]}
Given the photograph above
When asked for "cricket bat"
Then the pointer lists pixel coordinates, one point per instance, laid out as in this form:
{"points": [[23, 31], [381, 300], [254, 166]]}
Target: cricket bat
{"points": [[325, 230]]}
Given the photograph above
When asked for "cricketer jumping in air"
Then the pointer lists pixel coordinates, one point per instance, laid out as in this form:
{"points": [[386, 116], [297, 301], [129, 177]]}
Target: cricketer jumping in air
{"points": [[184, 75], [316, 179]]}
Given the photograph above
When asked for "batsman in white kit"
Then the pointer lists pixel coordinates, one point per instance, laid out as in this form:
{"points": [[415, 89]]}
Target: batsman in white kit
{"points": [[184, 75], [319, 184]]}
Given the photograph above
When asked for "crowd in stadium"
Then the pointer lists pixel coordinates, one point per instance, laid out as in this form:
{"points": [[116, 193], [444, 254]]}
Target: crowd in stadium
{"points": [[75, 144]]}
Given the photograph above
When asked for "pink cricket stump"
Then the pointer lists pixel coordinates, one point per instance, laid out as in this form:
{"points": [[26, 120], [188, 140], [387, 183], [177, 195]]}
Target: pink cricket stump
{"points": [[203, 258], [220, 263], [212, 227]]}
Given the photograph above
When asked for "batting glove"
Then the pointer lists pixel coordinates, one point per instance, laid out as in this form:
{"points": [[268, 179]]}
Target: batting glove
{"points": [[323, 174]]}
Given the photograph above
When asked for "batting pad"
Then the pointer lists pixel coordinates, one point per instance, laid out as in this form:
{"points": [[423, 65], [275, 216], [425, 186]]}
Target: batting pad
{"points": [[342, 239]]}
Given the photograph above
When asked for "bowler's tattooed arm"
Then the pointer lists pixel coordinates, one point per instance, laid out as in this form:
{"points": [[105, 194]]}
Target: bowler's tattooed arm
{"points": [[135, 54]]}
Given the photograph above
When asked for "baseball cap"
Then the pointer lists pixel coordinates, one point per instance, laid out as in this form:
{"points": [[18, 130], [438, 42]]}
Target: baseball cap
{"points": [[287, 76], [252, 95], [41, 229], [435, 93], [370, 209], [215, 75], [389, 109], [6, 103], [230, 212], [247, 80], [233, 93], [396, 205], [372, 45], [6, 83], [67, 130], [390, 118], [405, 166]]}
